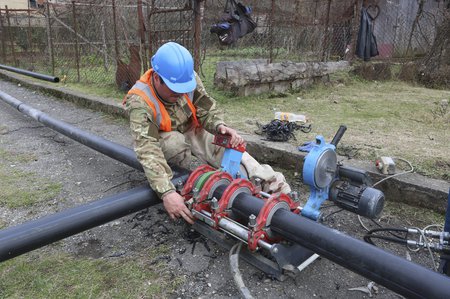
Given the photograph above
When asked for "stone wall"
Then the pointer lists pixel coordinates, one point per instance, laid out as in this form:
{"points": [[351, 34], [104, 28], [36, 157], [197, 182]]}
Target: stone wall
{"points": [[250, 77]]}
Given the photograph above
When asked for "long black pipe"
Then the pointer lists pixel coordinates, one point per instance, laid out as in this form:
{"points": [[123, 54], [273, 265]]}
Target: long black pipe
{"points": [[404, 277], [34, 234], [401, 276], [106, 147], [31, 74]]}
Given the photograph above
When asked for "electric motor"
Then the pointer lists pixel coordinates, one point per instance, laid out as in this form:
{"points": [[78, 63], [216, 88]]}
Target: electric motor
{"points": [[360, 199]]}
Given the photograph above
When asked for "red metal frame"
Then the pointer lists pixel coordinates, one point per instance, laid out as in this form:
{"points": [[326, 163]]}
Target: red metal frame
{"points": [[193, 178], [258, 232], [200, 203], [226, 196]]}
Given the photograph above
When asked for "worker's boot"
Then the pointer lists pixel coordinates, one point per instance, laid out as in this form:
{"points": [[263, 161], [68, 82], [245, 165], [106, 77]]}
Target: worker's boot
{"points": [[272, 181]]}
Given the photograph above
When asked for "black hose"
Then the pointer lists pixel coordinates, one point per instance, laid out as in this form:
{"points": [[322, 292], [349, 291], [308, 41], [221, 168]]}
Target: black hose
{"points": [[368, 239]]}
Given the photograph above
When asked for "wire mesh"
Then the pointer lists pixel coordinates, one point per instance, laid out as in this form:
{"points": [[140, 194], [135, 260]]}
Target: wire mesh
{"points": [[102, 42]]}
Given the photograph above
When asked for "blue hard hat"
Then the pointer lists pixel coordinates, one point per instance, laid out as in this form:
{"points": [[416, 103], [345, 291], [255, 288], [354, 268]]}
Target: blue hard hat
{"points": [[174, 64]]}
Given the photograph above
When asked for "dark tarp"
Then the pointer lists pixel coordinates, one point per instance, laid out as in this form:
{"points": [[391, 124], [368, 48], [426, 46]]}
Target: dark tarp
{"points": [[366, 46]]}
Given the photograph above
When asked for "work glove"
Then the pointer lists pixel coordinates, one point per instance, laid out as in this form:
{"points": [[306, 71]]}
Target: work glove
{"points": [[307, 146]]}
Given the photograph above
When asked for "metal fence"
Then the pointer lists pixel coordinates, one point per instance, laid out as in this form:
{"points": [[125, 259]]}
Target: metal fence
{"points": [[108, 42]]}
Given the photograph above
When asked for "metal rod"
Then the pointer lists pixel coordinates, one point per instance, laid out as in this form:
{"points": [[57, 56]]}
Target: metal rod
{"points": [[31, 74], [106, 147]]}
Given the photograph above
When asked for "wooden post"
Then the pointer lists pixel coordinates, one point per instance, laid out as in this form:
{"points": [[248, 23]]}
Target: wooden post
{"points": [[105, 48], [355, 27], [150, 37], [325, 47], [49, 38], [75, 27], [2, 29], [143, 50], [116, 42], [271, 35], [198, 16], [30, 40], [11, 39]]}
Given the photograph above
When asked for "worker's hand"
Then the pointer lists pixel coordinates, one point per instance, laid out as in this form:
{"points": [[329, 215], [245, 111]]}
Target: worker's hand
{"points": [[236, 139], [175, 207]]}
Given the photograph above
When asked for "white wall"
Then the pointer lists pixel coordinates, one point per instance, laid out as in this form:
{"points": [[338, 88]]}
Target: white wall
{"points": [[14, 4]]}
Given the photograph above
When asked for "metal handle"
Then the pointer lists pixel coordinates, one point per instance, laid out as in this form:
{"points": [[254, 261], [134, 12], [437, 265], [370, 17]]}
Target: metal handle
{"points": [[339, 135]]}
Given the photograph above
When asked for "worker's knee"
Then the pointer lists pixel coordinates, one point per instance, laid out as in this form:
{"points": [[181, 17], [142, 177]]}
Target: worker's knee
{"points": [[272, 181], [175, 149]]}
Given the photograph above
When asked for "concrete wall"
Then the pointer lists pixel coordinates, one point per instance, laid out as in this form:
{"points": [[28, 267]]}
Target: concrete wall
{"points": [[14, 4]]}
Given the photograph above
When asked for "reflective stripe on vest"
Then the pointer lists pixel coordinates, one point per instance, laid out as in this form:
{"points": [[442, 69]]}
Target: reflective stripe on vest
{"points": [[143, 89]]}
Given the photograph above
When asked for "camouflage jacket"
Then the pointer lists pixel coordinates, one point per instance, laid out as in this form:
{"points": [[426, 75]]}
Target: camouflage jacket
{"points": [[146, 136]]}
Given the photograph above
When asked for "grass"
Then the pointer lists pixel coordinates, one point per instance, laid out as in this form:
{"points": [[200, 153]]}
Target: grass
{"points": [[64, 276], [389, 118], [20, 188], [413, 216]]}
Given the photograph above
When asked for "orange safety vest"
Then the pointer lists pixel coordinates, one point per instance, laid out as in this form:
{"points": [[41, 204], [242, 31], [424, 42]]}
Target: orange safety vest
{"points": [[145, 90]]}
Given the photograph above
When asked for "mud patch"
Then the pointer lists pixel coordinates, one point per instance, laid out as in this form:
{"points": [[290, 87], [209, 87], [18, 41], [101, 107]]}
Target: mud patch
{"points": [[90, 248]]}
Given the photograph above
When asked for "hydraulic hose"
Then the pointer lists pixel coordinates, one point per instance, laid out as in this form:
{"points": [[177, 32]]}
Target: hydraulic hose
{"points": [[31, 74]]}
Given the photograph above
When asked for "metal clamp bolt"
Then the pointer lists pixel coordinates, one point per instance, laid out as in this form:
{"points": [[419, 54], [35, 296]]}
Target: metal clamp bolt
{"points": [[252, 221], [195, 193], [214, 204], [179, 186]]}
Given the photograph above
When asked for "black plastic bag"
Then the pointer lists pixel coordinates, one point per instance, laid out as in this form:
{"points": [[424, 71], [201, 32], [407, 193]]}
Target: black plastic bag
{"points": [[234, 23]]}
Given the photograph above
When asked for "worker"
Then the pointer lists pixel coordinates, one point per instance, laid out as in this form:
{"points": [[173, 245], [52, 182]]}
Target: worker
{"points": [[171, 118]]}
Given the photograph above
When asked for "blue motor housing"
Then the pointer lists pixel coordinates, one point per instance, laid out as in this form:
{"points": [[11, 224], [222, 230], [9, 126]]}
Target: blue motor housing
{"points": [[319, 170]]}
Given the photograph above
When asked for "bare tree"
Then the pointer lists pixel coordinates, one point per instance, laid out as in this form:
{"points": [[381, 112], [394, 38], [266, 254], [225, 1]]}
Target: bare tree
{"points": [[434, 68]]}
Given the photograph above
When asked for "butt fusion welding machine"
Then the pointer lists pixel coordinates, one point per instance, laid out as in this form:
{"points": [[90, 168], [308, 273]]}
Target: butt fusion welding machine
{"points": [[347, 187]]}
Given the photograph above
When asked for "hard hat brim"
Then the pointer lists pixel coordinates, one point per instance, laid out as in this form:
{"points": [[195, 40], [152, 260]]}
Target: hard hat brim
{"points": [[184, 87]]}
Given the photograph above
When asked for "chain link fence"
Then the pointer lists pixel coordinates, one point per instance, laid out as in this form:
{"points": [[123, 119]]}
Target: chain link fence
{"points": [[109, 42]]}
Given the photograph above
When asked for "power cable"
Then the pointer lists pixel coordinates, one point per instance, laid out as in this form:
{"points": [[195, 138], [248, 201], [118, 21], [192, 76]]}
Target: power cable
{"points": [[397, 174], [234, 265]]}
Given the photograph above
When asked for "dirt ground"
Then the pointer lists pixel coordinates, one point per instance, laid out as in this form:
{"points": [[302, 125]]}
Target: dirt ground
{"points": [[86, 175]]}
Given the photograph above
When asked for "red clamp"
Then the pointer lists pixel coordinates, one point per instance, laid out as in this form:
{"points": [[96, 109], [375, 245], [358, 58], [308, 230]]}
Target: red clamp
{"points": [[193, 178], [261, 229], [209, 187], [236, 187]]}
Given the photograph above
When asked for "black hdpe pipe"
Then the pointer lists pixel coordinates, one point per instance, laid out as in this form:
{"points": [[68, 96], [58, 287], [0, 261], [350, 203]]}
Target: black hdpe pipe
{"points": [[31, 74], [106, 147], [34, 234], [404, 277], [31, 235]]}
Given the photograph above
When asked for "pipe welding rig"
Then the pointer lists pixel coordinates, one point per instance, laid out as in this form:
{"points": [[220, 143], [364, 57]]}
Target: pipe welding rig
{"points": [[280, 234]]}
